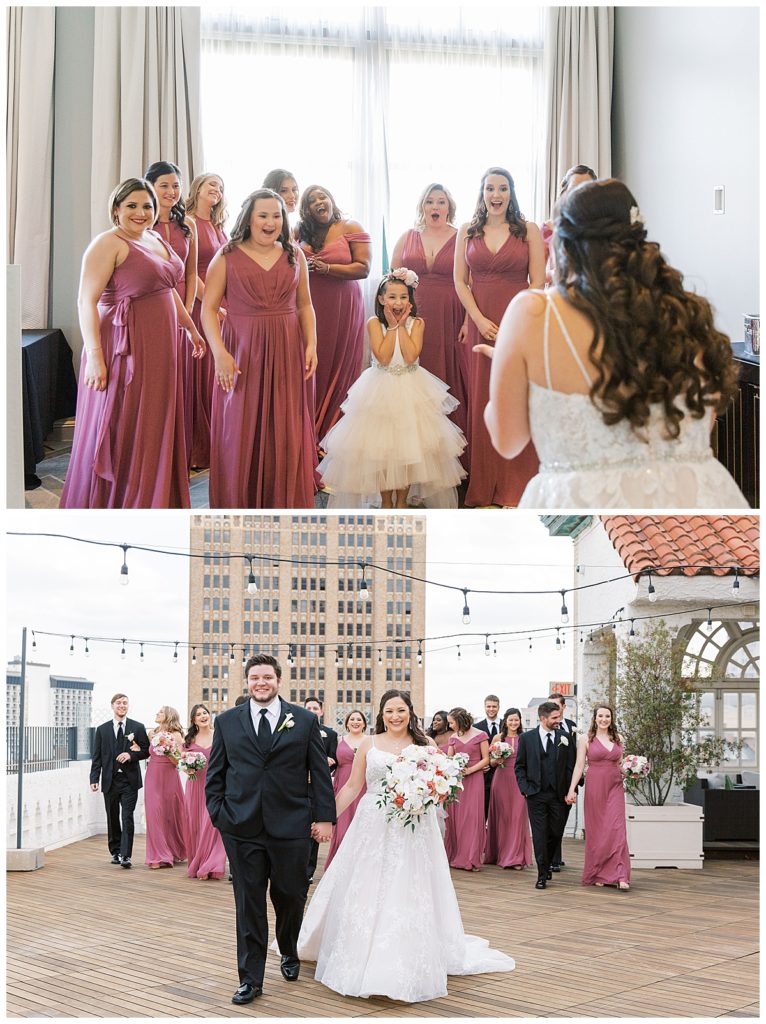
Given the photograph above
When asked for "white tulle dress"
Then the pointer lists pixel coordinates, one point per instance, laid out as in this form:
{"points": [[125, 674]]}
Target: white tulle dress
{"points": [[584, 463], [394, 434], [384, 919]]}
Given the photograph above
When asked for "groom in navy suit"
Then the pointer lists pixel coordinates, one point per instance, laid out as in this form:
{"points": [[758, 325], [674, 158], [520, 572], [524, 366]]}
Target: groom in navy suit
{"points": [[268, 792]]}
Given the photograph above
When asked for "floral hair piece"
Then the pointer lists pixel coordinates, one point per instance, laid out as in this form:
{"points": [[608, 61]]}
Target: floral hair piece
{"points": [[408, 277], [636, 217]]}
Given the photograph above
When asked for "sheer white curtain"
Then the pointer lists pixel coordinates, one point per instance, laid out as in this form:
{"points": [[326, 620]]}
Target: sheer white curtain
{"points": [[29, 153], [145, 96], [579, 49], [374, 103]]}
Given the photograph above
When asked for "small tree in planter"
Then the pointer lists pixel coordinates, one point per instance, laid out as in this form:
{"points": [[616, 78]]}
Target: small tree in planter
{"points": [[659, 715]]}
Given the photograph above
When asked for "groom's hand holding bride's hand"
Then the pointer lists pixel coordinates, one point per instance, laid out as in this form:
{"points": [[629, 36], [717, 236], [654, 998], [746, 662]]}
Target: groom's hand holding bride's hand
{"points": [[321, 831], [571, 797]]}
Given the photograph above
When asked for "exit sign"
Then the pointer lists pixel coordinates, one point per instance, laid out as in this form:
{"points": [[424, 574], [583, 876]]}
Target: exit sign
{"points": [[565, 689]]}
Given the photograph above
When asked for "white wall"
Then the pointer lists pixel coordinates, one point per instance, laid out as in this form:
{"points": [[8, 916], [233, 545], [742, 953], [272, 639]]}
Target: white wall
{"points": [[685, 119]]}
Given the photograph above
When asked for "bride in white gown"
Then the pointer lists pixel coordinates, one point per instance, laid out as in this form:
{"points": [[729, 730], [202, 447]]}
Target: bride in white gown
{"points": [[615, 374], [384, 919]]}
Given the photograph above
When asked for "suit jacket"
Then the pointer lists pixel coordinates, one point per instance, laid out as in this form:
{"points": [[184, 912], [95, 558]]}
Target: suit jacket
{"points": [[249, 790], [485, 727], [330, 740], [529, 757], [105, 750]]}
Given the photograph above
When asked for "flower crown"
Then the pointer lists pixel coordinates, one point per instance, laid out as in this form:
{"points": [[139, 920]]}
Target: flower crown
{"points": [[408, 277]]}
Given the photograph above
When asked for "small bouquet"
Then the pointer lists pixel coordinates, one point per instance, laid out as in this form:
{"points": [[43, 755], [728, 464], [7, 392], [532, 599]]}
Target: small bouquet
{"points": [[420, 778], [499, 753], [191, 762], [635, 767], [166, 744]]}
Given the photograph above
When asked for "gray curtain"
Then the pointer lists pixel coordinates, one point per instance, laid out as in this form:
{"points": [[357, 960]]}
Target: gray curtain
{"points": [[29, 153], [145, 96], [579, 47]]}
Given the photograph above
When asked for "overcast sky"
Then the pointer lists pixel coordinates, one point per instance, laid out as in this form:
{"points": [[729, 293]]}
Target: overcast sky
{"points": [[58, 585]]}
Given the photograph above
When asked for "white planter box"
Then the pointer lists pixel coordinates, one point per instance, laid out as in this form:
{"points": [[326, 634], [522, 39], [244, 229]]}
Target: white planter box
{"points": [[665, 837]]}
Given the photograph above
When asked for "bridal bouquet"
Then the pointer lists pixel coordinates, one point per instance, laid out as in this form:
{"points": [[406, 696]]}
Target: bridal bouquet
{"points": [[420, 778], [499, 753], [191, 762], [165, 743], [635, 767]]}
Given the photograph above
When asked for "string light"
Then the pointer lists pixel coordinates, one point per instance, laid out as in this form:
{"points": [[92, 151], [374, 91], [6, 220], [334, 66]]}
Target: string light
{"points": [[34, 641], [141, 655], [380, 656], [651, 592], [232, 659], [632, 632], [494, 645], [530, 643], [709, 623], [364, 593], [87, 649], [564, 610], [735, 584], [244, 656], [252, 586], [486, 645], [290, 655], [194, 655], [175, 654], [71, 648], [337, 657], [558, 641], [466, 609], [124, 578], [350, 655], [458, 652], [420, 653]]}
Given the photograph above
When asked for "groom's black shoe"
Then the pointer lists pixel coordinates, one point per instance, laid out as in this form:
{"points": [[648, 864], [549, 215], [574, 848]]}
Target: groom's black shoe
{"points": [[246, 994], [541, 883], [556, 867], [116, 859], [549, 876], [126, 862], [290, 968]]}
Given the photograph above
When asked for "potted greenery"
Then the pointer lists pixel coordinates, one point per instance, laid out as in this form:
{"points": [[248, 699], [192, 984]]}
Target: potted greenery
{"points": [[659, 717]]}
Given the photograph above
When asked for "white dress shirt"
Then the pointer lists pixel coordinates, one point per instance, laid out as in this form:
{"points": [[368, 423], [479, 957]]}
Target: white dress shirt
{"points": [[496, 724], [120, 722], [543, 733], [273, 711]]}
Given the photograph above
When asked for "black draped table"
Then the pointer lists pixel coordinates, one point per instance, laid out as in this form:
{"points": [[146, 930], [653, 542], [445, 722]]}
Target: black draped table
{"points": [[49, 392]]}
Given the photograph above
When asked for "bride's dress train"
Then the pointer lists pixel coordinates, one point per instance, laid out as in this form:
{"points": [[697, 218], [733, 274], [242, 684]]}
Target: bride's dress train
{"points": [[384, 919]]}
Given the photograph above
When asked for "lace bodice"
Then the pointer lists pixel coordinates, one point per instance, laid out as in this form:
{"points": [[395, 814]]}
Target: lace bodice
{"points": [[397, 364], [378, 763]]}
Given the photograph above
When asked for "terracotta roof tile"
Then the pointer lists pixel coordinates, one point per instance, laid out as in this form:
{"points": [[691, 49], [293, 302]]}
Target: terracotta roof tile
{"points": [[664, 543]]}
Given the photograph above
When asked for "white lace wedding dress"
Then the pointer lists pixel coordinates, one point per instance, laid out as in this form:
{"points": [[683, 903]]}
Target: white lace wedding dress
{"points": [[586, 464], [384, 919]]}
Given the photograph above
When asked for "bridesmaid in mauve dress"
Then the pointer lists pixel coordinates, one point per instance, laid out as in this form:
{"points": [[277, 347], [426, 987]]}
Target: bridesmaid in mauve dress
{"points": [[204, 846], [607, 858], [128, 449], [465, 834], [262, 446], [429, 250], [574, 176], [509, 843], [356, 726], [497, 255], [164, 798], [206, 206], [338, 255]]}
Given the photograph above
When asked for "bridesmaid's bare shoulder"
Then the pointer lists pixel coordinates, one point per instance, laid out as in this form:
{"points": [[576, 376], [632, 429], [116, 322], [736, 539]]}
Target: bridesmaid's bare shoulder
{"points": [[108, 244], [351, 227]]}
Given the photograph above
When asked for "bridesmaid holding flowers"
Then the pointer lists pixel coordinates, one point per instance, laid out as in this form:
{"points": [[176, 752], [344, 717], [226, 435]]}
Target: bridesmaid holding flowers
{"points": [[163, 794], [464, 836], [356, 727], [204, 846], [509, 843]]}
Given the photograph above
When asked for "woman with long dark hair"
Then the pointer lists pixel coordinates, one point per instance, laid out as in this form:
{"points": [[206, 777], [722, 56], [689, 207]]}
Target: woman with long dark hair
{"points": [[439, 730], [262, 439], [172, 224], [616, 373], [509, 842], [204, 847], [384, 919], [497, 255], [607, 858], [465, 833]]}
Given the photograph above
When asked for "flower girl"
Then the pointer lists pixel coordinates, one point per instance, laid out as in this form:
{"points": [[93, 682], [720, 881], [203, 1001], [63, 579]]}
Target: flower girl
{"points": [[394, 442]]}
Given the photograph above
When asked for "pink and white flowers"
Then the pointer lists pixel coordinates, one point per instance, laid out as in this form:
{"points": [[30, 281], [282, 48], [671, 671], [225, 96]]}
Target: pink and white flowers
{"points": [[635, 767], [499, 753], [406, 276], [420, 778], [165, 743], [191, 762]]}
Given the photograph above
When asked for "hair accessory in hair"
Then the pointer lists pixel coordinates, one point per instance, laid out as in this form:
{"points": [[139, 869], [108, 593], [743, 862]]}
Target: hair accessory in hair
{"points": [[408, 277], [636, 217]]}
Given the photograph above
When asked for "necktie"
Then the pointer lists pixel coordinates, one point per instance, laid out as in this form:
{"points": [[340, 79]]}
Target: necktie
{"points": [[548, 743], [492, 731], [264, 730], [120, 736]]}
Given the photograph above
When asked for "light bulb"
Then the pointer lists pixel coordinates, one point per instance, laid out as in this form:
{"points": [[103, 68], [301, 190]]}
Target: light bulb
{"points": [[466, 616], [651, 592], [194, 655], [252, 586], [124, 578], [735, 587], [564, 609], [364, 594], [122, 652]]}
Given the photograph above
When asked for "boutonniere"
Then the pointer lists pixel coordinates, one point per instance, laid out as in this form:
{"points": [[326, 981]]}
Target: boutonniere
{"points": [[573, 730], [323, 734], [130, 736], [288, 723], [563, 741]]}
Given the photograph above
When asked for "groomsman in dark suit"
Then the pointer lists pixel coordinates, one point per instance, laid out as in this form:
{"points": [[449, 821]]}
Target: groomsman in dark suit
{"points": [[569, 729], [118, 747], [259, 798], [330, 740], [491, 726], [544, 765]]}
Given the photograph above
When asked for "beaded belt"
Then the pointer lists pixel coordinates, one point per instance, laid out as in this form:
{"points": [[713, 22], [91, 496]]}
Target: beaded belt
{"points": [[584, 467], [397, 370]]}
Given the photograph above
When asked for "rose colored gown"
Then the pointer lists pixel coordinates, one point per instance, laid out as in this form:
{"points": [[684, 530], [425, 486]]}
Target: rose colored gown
{"points": [[164, 811], [441, 309], [341, 777], [339, 310], [128, 449], [607, 858], [495, 279], [508, 839], [464, 837], [204, 846], [199, 374], [262, 448]]}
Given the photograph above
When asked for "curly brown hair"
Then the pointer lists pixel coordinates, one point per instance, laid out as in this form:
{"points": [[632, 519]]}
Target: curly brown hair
{"points": [[307, 230], [463, 719], [241, 230], [653, 342], [419, 738], [513, 215], [614, 736]]}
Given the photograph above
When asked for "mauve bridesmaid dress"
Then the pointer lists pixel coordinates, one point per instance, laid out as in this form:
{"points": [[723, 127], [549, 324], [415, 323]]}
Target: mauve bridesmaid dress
{"points": [[164, 811], [465, 834], [607, 859], [173, 234], [204, 846], [339, 310], [342, 775], [128, 449], [441, 309], [262, 447], [509, 843], [495, 279]]}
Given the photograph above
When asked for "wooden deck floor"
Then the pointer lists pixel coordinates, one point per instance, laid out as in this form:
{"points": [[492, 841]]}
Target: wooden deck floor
{"points": [[679, 944]]}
